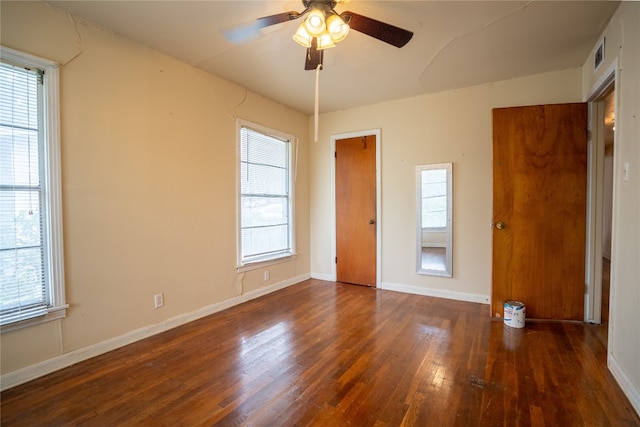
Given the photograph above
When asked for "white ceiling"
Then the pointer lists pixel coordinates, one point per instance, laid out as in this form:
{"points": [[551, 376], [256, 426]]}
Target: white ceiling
{"points": [[455, 44]]}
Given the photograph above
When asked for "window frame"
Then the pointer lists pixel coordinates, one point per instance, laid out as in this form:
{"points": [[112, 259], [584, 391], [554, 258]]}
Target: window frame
{"points": [[52, 191], [245, 265]]}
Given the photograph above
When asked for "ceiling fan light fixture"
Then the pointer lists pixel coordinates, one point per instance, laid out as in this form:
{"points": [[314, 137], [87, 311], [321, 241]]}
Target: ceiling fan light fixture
{"points": [[302, 36], [337, 28], [325, 41], [315, 23]]}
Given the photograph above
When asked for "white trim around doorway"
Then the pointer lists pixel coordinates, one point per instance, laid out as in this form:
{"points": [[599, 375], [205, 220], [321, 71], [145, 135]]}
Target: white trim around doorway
{"points": [[334, 138]]}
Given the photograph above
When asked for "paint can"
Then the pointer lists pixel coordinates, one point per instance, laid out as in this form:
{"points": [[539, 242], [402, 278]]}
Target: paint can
{"points": [[514, 314]]}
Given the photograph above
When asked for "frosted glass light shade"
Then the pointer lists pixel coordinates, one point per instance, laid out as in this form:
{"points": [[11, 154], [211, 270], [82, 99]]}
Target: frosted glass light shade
{"points": [[324, 41], [302, 37], [315, 23], [337, 28]]}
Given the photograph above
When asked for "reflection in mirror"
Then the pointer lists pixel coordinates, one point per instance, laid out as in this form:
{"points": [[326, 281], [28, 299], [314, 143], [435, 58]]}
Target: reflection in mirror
{"points": [[434, 213]]}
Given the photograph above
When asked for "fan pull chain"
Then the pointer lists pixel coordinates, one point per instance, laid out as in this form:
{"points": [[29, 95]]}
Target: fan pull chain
{"points": [[315, 121]]}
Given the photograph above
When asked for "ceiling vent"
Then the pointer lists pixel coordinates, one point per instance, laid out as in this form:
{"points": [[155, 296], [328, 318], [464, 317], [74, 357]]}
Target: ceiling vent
{"points": [[599, 55]]}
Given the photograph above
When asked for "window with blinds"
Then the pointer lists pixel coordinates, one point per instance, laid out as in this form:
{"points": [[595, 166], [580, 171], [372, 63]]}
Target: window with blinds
{"points": [[434, 198], [266, 220], [26, 260]]}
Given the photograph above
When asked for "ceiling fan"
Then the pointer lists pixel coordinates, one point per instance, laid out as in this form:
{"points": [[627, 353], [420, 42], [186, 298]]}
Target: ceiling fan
{"points": [[322, 28]]}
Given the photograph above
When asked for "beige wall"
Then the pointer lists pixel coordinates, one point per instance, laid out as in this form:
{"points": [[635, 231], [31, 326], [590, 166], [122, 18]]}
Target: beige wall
{"points": [[149, 206], [623, 45], [148, 180], [446, 127]]}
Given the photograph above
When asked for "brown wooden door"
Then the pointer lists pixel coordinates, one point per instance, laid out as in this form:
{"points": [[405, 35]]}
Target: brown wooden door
{"points": [[356, 210], [539, 194]]}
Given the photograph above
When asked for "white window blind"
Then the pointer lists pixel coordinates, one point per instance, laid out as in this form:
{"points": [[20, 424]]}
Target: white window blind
{"points": [[265, 196], [434, 198], [27, 286]]}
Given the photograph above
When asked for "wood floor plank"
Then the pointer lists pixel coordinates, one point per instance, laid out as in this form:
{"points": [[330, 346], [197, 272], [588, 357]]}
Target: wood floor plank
{"points": [[322, 353]]}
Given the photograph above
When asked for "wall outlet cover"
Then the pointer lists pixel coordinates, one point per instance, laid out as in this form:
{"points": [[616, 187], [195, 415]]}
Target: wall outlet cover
{"points": [[158, 300]]}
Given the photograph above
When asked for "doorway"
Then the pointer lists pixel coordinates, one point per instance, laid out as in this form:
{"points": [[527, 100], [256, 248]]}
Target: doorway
{"points": [[356, 207], [608, 104], [601, 177]]}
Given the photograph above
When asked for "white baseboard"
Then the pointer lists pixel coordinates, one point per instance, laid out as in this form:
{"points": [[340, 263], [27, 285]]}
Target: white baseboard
{"points": [[32, 372], [438, 293], [632, 393], [319, 276]]}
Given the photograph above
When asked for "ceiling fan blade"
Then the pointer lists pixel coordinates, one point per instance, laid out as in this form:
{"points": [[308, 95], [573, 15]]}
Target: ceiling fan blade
{"points": [[314, 56], [265, 21], [382, 31], [244, 32]]}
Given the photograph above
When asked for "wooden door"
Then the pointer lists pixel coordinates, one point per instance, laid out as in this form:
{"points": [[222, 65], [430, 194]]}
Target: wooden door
{"points": [[539, 209], [356, 210]]}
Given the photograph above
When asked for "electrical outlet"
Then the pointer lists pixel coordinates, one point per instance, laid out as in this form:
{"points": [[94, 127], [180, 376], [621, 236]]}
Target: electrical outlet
{"points": [[266, 275], [158, 300]]}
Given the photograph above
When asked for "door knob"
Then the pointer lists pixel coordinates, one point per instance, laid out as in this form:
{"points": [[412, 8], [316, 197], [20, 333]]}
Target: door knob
{"points": [[501, 225], [371, 221]]}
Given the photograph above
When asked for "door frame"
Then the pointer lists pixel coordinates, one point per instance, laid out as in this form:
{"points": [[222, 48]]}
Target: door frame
{"points": [[334, 138], [595, 180]]}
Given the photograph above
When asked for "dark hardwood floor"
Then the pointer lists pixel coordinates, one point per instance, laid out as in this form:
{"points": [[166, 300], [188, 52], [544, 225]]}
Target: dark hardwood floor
{"points": [[434, 259], [327, 354], [603, 332]]}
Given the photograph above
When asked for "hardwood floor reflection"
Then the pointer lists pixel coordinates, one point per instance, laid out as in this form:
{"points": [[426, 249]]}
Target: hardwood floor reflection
{"points": [[434, 259], [330, 354]]}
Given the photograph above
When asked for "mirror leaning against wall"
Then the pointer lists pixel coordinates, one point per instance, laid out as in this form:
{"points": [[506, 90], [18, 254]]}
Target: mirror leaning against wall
{"points": [[434, 214]]}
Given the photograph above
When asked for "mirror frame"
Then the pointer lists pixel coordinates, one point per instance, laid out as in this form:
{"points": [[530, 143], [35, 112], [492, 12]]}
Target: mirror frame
{"points": [[448, 271]]}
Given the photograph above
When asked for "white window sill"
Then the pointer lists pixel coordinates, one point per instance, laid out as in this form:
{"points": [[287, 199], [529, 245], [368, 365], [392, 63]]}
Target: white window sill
{"points": [[53, 314], [260, 264]]}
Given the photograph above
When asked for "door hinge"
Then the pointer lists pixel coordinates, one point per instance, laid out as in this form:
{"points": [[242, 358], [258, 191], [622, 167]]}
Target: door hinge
{"points": [[336, 260]]}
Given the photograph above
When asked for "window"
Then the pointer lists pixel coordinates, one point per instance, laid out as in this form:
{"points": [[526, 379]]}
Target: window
{"points": [[434, 199], [31, 266], [265, 195]]}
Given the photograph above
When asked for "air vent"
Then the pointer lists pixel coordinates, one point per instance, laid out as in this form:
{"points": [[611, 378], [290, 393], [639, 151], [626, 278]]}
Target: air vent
{"points": [[599, 55]]}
